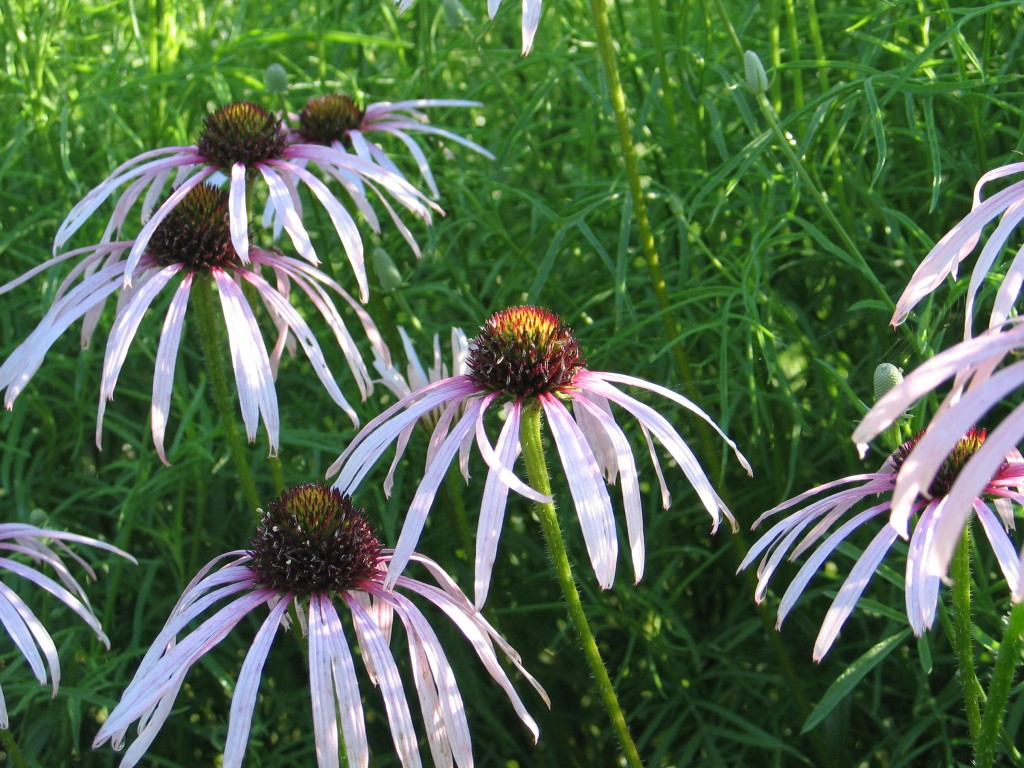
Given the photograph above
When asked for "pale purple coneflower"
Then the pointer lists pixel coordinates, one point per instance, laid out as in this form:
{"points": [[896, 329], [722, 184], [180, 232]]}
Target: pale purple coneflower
{"points": [[531, 17], [867, 500], [315, 551], [241, 141], [944, 259], [193, 244], [336, 121], [25, 629], [521, 356], [982, 380]]}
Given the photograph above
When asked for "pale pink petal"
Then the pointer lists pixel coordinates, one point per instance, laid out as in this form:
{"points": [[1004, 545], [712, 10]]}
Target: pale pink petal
{"points": [[85, 207], [238, 218], [954, 246], [495, 464], [480, 635], [993, 248], [584, 378], [121, 336], [669, 438], [166, 357], [350, 705], [1001, 543], [305, 337], [589, 495], [243, 699], [321, 688], [531, 19], [492, 506], [820, 555], [399, 718], [253, 378], [288, 214], [970, 484], [416, 516], [921, 589], [344, 225], [309, 279], [852, 589], [616, 443], [25, 360], [26, 630], [365, 448], [930, 374], [944, 432]]}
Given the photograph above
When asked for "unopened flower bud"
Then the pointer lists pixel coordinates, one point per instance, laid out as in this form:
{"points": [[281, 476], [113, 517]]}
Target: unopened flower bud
{"points": [[887, 376], [757, 80], [275, 78], [387, 272]]}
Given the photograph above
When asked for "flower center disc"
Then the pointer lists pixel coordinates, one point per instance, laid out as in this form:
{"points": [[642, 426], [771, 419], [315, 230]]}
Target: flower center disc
{"points": [[196, 232], [524, 351], [313, 539], [241, 132], [966, 447], [329, 118]]}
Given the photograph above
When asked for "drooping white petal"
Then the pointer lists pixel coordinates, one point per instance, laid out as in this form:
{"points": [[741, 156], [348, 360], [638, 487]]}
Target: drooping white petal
{"points": [[122, 335], [304, 334], [321, 687], [492, 506], [166, 357], [243, 700], [589, 494], [395, 704], [852, 589], [238, 217], [249, 358], [615, 442], [416, 517], [350, 706]]}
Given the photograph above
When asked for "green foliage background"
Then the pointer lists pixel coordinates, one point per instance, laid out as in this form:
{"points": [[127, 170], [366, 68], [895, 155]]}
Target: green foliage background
{"points": [[894, 109]]}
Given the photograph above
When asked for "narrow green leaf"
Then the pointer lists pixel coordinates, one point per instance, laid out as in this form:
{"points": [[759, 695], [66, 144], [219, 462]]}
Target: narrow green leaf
{"points": [[847, 681]]}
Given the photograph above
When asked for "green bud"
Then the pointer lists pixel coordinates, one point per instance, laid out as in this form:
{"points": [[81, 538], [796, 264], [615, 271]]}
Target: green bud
{"points": [[275, 78], [887, 376], [387, 272], [757, 80]]}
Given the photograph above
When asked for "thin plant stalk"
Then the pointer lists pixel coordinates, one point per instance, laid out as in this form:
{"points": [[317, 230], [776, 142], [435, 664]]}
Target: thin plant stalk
{"points": [[606, 46], [537, 471], [12, 749], [202, 296], [963, 642], [999, 689], [617, 97]]}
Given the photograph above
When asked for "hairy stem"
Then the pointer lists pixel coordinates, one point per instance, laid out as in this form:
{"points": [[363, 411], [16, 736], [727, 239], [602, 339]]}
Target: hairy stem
{"points": [[999, 689], [606, 45], [537, 471], [202, 297], [963, 642]]}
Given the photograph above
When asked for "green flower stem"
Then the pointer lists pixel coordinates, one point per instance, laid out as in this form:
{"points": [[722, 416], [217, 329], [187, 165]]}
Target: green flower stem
{"points": [[12, 749], [963, 643], [277, 474], [999, 689], [537, 471], [606, 45], [202, 297]]}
